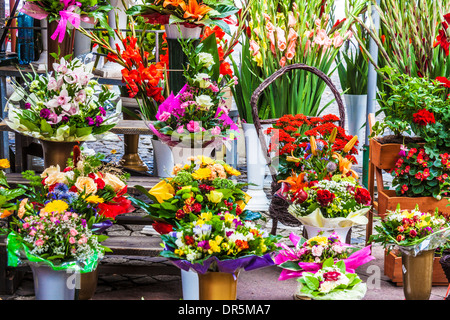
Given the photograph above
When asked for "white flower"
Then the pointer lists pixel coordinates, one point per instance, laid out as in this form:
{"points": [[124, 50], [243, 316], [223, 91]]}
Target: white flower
{"points": [[204, 101], [203, 80], [206, 59], [317, 251]]}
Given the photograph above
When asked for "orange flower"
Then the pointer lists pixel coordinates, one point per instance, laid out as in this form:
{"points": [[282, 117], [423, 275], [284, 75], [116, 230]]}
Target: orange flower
{"points": [[194, 11], [174, 3], [345, 166], [296, 182]]}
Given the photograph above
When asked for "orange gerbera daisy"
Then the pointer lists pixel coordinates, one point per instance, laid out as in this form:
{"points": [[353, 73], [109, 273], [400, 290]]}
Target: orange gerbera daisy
{"points": [[194, 10]]}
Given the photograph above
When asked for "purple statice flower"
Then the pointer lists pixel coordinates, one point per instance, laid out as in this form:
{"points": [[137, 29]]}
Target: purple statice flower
{"points": [[102, 111], [45, 113], [90, 121]]}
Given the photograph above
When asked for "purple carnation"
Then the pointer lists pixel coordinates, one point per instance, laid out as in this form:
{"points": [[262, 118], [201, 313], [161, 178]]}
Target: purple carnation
{"points": [[90, 121], [102, 111], [45, 113]]}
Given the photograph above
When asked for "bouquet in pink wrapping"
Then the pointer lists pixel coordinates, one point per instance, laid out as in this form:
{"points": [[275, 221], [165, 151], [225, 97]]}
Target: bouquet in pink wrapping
{"points": [[307, 255]]}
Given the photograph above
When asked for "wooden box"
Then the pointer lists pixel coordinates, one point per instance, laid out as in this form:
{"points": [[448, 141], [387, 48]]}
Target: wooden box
{"points": [[393, 270]]}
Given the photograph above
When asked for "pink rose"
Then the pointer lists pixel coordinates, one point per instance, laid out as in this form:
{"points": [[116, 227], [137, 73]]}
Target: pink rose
{"points": [[193, 126], [180, 129], [215, 131], [39, 242], [71, 240], [73, 232]]}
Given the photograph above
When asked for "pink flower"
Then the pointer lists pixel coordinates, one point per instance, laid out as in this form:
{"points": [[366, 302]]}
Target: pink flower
{"points": [[290, 52], [214, 88], [282, 62], [63, 98], [164, 116], [215, 131], [348, 34], [293, 35], [322, 39], [39, 242], [72, 240], [270, 27], [180, 129], [25, 225], [193, 126], [291, 20], [338, 41], [254, 47], [73, 232], [281, 39]]}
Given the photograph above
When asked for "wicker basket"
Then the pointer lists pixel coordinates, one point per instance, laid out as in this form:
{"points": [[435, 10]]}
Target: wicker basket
{"points": [[278, 206]]}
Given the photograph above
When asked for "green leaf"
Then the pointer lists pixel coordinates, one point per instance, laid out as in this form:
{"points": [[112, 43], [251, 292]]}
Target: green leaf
{"points": [[311, 282]]}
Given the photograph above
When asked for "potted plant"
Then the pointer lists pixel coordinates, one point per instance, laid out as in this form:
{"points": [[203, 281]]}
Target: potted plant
{"points": [[331, 282], [202, 187], [416, 234], [61, 109], [218, 246], [308, 255], [57, 244]]}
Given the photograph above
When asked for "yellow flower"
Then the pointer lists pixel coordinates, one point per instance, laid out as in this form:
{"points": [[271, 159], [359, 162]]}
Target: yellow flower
{"points": [[231, 171], [113, 151], [56, 206], [229, 217], [214, 247], [206, 216], [4, 164], [162, 191], [179, 252], [94, 199], [205, 160], [218, 239], [243, 203], [320, 240], [333, 135], [202, 173], [258, 59], [215, 196], [312, 143], [350, 144]]}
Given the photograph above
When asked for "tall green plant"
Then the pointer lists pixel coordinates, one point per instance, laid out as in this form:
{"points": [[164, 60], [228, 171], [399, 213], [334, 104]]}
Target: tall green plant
{"points": [[284, 32]]}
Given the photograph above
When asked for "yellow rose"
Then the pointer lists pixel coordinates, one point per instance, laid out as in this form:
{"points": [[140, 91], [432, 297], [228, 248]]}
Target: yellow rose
{"points": [[114, 182], [86, 184], [215, 196]]}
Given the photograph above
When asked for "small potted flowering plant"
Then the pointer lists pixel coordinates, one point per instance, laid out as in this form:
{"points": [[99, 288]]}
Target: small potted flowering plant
{"points": [[308, 255], [55, 242], [331, 282], [196, 117], [417, 235], [217, 246], [96, 191]]}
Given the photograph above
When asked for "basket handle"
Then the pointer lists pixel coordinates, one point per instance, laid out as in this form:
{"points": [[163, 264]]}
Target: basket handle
{"points": [[272, 78]]}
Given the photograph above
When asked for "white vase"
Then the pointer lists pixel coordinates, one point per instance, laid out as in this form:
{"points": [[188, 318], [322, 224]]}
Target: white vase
{"points": [[256, 169], [181, 154], [189, 283], [176, 31], [162, 159], [52, 284], [356, 113], [111, 69], [314, 231]]}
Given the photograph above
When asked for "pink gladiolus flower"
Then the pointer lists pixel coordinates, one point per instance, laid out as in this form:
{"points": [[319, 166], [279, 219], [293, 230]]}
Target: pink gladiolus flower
{"points": [[282, 62], [322, 38], [254, 47], [291, 20], [270, 27], [281, 39], [338, 41], [290, 52], [293, 35], [348, 34]]}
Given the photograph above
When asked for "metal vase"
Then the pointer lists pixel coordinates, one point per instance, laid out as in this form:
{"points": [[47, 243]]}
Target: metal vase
{"points": [[217, 286], [52, 284], [418, 275], [56, 153]]}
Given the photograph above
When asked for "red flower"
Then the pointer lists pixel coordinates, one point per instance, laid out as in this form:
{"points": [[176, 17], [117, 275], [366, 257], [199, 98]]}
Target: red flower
{"points": [[325, 197], [441, 40], [444, 81], [100, 183], [362, 196], [423, 117], [162, 227], [119, 205], [189, 240], [331, 276], [412, 233]]}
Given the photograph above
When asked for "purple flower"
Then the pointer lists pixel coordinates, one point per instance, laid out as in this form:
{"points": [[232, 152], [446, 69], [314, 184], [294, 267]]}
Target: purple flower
{"points": [[98, 121], [27, 105], [90, 121], [45, 113], [65, 119], [204, 244], [102, 111]]}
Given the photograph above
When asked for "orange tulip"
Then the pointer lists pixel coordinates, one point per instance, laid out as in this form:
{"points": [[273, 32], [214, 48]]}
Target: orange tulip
{"points": [[194, 11]]}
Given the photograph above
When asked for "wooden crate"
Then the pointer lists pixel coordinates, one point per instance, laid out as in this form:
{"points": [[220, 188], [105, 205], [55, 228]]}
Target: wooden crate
{"points": [[393, 269]]}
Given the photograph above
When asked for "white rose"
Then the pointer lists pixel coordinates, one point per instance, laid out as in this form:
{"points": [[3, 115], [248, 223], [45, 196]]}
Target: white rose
{"points": [[56, 177], [113, 181], [206, 59], [203, 80], [204, 101], [50, 170]]}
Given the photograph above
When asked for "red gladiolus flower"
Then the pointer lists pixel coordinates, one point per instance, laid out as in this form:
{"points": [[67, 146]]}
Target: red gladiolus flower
{"points": [[161, 227], [441, 40], [423, 117], [325, 197]]}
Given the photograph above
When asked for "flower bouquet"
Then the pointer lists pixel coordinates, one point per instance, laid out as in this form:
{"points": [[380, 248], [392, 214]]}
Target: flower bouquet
{"points": [[189, 13], [412, 231], [309, 255], [331, 282], [69, 14], [55, 242], [196, 117], [63, 106], [201, 187], [96, 191]]}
